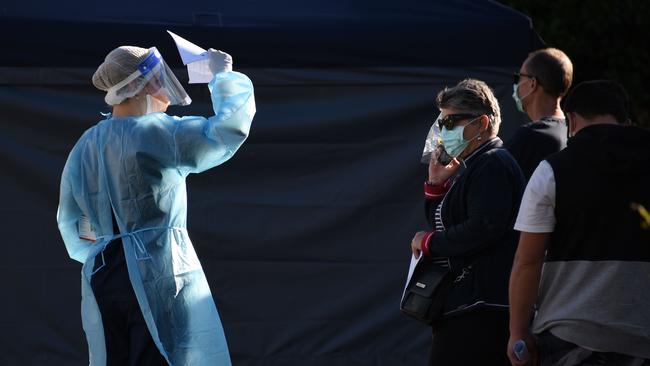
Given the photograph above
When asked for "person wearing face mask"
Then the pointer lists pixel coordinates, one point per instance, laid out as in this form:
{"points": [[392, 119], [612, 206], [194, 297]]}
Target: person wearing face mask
{"points": [[471, 204], [123, 211], [583, 258], [543, 79]]}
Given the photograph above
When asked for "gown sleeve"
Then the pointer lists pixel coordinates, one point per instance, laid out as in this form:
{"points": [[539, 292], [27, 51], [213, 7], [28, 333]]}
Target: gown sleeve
{"points": [[69, 212], [203, 143]]}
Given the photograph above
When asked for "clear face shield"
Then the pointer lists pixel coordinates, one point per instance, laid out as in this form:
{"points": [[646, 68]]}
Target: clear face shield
{"points": [[154, 78], [433, 145]]}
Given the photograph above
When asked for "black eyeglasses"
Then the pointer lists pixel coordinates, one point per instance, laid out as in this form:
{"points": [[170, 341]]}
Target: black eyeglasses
{"points": [[517, 75], [450, 120]]}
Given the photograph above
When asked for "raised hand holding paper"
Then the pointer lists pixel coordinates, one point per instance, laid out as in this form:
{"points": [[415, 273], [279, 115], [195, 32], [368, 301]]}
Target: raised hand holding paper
{"points": [[196, 58]]}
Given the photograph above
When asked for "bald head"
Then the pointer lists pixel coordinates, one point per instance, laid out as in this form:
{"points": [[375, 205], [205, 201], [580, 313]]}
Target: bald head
{"points": [[553, 70]]}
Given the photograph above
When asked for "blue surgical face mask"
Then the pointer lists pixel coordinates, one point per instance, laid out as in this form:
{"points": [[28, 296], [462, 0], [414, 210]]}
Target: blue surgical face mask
{"points": [[453, 140], [518, 101]]}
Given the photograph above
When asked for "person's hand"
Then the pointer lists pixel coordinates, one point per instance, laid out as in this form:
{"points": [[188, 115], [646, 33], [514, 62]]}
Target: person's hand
{"points": [[439, 173], [416, 244], [531, 345], [219, 61]]}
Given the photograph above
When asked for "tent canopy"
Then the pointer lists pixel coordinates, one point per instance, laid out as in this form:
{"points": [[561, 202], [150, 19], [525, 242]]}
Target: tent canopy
{"points": [[272, 33]]}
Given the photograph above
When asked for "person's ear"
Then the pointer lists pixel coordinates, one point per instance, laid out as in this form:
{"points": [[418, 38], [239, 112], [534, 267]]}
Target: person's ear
{"points": [[534, 84], [485, 122], [570, 123]]}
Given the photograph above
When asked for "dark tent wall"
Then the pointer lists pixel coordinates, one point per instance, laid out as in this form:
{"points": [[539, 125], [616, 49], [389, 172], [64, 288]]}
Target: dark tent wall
{"points": [[304, 234]]}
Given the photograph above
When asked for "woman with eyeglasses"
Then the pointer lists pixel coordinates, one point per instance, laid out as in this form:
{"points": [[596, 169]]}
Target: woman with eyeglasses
{"points": [[471, 204]]}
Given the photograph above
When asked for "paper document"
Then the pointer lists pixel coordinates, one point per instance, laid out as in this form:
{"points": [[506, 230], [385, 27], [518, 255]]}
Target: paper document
{"points": [[414, 262], [188, 50], [196, 59], [86, 229]]}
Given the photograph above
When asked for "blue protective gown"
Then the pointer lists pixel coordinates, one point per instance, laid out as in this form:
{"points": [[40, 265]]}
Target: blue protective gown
{"points": [[138, 166]]}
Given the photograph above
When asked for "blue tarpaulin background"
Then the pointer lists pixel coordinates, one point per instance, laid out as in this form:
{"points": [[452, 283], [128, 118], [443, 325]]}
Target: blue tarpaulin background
{"points": [[304, 235]]}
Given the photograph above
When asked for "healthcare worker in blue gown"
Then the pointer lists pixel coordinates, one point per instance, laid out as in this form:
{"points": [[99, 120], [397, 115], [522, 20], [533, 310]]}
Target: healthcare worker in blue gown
{"points": [[123, 208]]}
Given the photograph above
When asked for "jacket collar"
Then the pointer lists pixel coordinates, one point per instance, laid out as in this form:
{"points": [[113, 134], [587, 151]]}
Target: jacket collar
{"points": [[488, 145]]}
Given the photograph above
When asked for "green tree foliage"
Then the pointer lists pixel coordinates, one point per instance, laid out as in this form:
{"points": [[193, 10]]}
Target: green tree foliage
{"points": [[605, 39]]}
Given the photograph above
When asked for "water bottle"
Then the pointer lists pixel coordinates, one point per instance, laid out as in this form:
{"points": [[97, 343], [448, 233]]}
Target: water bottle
{"points": [[520, 350]]}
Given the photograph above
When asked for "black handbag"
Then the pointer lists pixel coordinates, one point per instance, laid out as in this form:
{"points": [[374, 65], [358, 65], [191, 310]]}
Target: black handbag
{"points": [[426, 292]]}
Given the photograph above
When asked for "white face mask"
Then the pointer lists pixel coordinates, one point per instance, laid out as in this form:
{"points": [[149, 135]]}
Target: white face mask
{"points": [[149, 105], [155, 104]]}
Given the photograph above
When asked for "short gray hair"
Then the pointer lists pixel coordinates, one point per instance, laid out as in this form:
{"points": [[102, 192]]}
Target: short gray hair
{"points": [[472, 96]]}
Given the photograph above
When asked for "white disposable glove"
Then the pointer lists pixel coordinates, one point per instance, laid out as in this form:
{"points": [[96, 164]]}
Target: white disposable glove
{"points": [[219, 61]]}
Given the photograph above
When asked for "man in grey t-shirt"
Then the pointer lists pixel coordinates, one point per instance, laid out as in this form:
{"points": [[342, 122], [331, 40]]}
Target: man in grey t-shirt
{"points": [[579, 219]]}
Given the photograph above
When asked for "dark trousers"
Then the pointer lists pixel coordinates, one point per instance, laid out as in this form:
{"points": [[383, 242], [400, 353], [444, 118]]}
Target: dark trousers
{"points": [[554, 351], [478, 337], [128, 341]]}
